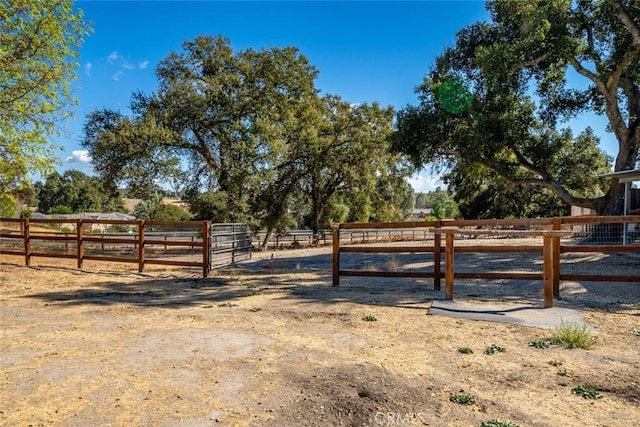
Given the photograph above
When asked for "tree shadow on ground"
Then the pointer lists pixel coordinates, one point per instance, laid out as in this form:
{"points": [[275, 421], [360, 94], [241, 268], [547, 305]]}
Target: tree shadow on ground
{"points": [[418, 293], [308, 279]]}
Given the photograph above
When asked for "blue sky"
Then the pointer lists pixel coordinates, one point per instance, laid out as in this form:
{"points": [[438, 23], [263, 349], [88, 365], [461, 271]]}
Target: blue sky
{"points": [[364, 51]]}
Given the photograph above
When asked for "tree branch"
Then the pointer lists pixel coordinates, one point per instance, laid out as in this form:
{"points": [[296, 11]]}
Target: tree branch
{"points": [[546, 181], [609, 91], [585, 72], [534, 62], [626, 21], [633, 50], [202, 149]]}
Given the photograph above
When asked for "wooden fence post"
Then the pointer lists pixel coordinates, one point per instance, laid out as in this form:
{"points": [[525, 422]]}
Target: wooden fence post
{"points": [[140, 246], [336, 255], [547, 276], [557, 225], [437, 258], [27, 243], [448, 273], [206, 248], [79, 243]]}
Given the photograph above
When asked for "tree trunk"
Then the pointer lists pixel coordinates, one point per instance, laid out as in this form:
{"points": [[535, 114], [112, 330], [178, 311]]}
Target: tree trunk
{"points": [[267, 238], [625, 160]]}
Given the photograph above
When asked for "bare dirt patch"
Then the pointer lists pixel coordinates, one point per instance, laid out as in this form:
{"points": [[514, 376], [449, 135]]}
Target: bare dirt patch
{"points": [[272, 343]]}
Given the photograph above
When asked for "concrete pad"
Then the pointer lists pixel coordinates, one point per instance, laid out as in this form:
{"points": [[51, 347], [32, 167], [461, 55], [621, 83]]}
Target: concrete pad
{"points": [[519, 314]]}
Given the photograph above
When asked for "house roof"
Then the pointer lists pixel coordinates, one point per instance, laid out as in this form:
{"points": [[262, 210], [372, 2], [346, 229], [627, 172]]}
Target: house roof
{"points": [[624, 176]]}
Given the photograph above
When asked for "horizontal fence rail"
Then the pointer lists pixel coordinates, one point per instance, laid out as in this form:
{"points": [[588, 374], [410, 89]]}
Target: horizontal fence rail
{"points": [[559, 242], [292, 239], [302, 238], [183, 243]]}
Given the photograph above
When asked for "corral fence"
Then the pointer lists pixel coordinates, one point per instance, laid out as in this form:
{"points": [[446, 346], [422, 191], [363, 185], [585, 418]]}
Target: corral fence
{"points": [[182, 243], [567, 248], [304, 238], [292, 239]]}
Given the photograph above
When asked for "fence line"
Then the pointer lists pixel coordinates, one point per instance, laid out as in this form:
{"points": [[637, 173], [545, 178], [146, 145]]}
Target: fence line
{"points": [[291, 239], [620, 234], [139, 245]]}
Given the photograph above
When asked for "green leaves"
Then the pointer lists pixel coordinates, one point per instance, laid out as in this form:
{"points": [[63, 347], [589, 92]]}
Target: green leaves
{"points": [[38, 44], [453, 96], [73, 191], [490, 107], [246, 134]]}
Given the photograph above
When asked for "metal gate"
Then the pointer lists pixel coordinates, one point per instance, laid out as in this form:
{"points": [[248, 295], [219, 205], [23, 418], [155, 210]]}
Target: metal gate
{"points": [[229, 244]]}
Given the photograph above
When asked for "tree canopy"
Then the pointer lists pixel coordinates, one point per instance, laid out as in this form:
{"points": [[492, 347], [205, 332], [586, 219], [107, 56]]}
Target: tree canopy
{"points": [[154, 209], [492, 106], [248, 136], [74, 192], [38, 45]]}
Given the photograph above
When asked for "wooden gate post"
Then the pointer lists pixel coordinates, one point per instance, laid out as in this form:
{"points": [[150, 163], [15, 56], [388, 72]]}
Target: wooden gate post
{"points": [[336, 255], [437, 258], [448, 274], [547, 277], [557, 225]]}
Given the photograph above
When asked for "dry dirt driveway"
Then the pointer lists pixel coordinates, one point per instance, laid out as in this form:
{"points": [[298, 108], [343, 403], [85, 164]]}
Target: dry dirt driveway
{"points": [[271, 343]]}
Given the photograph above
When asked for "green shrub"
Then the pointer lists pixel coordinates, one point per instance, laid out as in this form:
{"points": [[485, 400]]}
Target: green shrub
{"points": [[573, 335], [586, 392], [60, 210], [540, 344], [493, 349], [7, 206], [462, 399]]}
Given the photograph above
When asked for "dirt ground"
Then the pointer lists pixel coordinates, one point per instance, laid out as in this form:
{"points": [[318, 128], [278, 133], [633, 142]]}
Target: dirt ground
{"points": [[272, 343]]}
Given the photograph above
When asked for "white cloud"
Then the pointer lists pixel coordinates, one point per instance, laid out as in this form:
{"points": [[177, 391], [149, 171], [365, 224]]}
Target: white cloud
{"points": [[79, 156], [423, 183], [113, 57], [128, 65], [117, 75], [87, 68], [143, 65]]}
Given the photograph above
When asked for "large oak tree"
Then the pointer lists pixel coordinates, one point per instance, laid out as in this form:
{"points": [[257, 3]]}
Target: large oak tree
{"points": [[494, 103], [247, 134]]}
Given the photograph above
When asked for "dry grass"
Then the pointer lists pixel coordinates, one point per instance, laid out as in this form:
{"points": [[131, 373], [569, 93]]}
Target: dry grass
{"points": [[107, 345]]}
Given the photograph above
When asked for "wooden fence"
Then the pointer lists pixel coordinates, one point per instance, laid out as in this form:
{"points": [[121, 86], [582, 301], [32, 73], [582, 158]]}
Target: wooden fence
{"points": [[620, 234], [185, 243]]}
